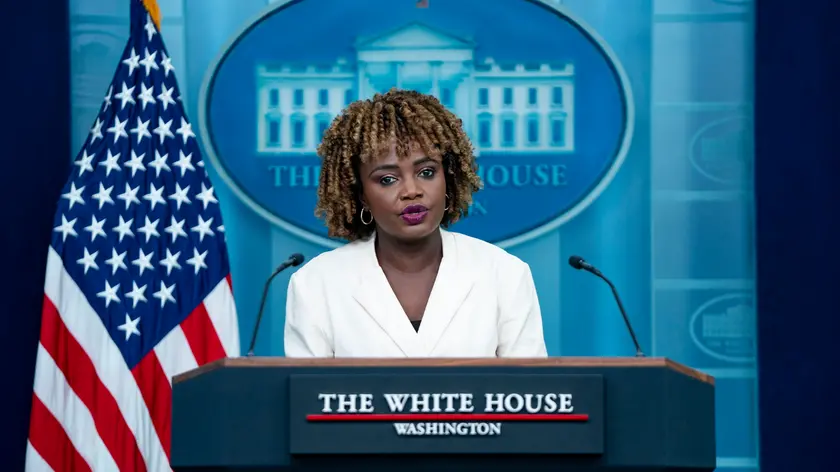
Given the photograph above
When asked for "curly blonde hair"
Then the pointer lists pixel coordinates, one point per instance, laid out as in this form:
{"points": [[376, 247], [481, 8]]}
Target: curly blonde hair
{"points": [[365, 130]]}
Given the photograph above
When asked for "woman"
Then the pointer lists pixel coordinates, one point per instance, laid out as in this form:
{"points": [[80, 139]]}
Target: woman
{"points": [[395, 169]]}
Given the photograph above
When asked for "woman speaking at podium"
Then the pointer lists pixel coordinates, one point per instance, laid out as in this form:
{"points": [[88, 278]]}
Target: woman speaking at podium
{"points": [[396, 170]]}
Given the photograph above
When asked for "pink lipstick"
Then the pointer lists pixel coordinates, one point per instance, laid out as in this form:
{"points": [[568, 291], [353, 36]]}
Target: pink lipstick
{"points": [[414, 214]]}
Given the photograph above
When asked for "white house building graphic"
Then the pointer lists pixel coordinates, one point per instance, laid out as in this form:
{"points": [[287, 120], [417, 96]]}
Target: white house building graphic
{"points": [[506, 108]]}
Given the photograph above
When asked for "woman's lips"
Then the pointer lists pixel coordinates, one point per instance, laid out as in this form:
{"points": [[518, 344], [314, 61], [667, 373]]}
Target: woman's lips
{"points": [[414, 214]]}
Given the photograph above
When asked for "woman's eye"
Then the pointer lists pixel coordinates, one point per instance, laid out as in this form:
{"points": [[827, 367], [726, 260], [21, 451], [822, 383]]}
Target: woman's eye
{"points": [[427, 172], [387, 180]]}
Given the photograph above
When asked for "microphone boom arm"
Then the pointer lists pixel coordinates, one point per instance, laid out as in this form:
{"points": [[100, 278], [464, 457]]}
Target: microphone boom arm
{"points": [[639, 352], [259, 313], [577, 262], [294, 260]]}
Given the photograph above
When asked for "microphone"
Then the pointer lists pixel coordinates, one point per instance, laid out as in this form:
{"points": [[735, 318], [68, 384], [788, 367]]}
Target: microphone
{"points": [[295, 259], [578, 263]]}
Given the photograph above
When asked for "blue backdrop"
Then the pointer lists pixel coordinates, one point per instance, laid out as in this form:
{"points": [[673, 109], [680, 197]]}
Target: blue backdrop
{"points": [[35, 143], [797, 233], [703, 236]]}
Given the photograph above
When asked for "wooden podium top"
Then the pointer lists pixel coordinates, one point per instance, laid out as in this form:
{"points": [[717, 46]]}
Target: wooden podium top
{"points": [[447, 362]]}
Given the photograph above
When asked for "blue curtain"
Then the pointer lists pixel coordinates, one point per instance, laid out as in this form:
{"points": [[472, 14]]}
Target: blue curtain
{"points": [[34, 150], [798, 235]]}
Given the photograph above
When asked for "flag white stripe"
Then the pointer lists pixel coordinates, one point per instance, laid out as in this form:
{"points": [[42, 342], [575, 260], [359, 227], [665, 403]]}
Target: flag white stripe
{"points": [[34, 461], [222, 311], [85, 326], [67, 408], [174, 354]]}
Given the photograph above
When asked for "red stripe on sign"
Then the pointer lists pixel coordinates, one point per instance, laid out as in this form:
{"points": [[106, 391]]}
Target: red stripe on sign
{"points": [[157, 394], [447, 417], [51, 441], [82, 377]]}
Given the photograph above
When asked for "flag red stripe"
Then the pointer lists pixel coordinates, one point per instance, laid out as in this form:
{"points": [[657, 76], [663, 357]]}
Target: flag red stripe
{"points": [[230, 283], [157, 394], [202, 337], [81, 375], [51, 441]]}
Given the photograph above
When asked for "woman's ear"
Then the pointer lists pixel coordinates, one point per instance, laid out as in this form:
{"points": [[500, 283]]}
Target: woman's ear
{"points": [[359, 190]]}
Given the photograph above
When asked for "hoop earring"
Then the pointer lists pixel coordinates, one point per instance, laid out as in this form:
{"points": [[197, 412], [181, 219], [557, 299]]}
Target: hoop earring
{"points": [[446, 198], [362, 216]]}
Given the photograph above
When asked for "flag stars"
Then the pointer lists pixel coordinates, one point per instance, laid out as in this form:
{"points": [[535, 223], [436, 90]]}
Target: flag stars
{"points": [[85, 162], [89, 261], [146, 97], [66, 228], [130, 327], [206, 195], [118, 130], [117, 261], [149, 229], [129, 196], [162, 129], [135, 163], [143, 261], [111, 162], [184, 163], [165, 96], [170, 261], [154, 196], [137, 294], [132, 61], [141, 82], [203, 228], [149, 61], [74, 195], [95, 228], [185, 130], [103, 195], [107, 98], [176, 228], [164, 294], [109, 294], [150, 28], [180, 195], [166, 62], [124, 228], [141, 130], [125, 96], [159, 163], [197, 260], [96, 131]]}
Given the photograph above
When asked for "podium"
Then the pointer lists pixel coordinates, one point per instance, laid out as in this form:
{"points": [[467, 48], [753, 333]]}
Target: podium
{"points": [[396, 415]]}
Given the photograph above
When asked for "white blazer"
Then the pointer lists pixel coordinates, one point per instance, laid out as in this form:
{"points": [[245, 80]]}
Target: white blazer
{"points": [[483, 304]]}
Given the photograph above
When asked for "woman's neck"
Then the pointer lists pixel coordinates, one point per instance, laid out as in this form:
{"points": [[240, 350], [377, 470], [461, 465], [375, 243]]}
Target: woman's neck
{"points": [[409, 257]]}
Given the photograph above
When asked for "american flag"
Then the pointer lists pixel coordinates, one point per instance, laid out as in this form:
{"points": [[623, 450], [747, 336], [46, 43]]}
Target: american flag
{"points": [[137, 285]]}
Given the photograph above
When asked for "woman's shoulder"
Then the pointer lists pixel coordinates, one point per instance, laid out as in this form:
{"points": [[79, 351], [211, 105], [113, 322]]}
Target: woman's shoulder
{"points": [[472, 252], [484, 253], [331, 262]]}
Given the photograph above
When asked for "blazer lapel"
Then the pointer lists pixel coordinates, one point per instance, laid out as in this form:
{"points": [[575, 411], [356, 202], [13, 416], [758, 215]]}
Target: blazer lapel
{"points": [[453, 284], [373, 292]]}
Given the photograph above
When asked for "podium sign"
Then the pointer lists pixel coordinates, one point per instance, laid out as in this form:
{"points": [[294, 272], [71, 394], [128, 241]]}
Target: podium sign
{"points": [[468, 415], [443, 413]]}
